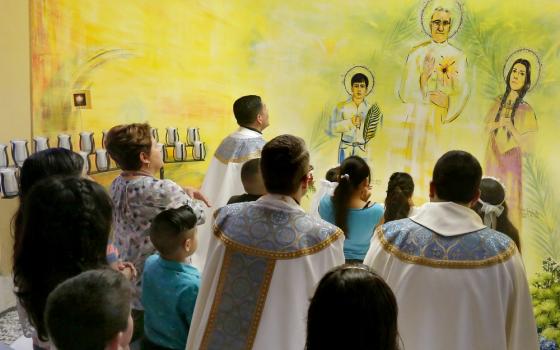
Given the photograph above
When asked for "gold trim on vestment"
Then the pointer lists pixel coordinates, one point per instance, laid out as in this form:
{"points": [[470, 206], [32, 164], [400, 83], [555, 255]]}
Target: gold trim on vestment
{"points": [[452, 264], [273, 254], [253, 155], [217, 299], [270, 264]]}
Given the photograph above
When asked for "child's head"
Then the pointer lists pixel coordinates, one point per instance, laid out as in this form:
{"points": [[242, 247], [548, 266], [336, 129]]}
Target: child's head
{"points": [[173, 233], [365, 303], [333, 174], [399, 197], [90, 311], [493, 209], [251, 177]]}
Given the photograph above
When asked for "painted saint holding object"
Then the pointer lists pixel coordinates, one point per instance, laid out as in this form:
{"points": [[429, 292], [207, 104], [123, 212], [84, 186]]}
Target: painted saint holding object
{"points": [[435, 84], [354, 119]]}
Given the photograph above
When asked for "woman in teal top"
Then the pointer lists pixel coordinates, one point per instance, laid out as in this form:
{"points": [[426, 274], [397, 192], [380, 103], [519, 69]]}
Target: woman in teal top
{"points": [[350, 209]]}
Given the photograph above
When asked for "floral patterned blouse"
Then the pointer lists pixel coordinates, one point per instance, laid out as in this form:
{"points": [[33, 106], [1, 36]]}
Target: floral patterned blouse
{"points": [[136, 202]]}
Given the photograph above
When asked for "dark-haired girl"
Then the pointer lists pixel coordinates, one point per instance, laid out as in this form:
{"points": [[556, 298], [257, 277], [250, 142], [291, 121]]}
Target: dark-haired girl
{"points": [[511, 125], [493, 209], [362, 302], [350, 208], [398, 203], [64, 229]]}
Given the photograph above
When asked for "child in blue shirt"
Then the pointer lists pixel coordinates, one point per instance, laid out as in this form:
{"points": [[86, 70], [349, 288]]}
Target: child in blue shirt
{"points": [[170, 286], [350, 209]]}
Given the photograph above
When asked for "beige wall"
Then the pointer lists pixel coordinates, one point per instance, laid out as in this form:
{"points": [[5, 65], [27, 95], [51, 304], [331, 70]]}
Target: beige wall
{"points": [[15, 108]]}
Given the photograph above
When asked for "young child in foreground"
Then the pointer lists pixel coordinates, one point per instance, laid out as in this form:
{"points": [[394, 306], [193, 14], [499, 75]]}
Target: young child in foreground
{"points": [[90, 311], [170, 286]]}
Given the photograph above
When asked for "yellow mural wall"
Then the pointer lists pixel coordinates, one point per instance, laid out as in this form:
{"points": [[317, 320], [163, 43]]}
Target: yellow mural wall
{"points": [[183, 63]]}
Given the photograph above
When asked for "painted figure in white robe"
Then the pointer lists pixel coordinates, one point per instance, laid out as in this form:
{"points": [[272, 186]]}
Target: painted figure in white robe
{"points": [[264, 261], [223, 177], [350, 120], [434, 84], [459, 284]]}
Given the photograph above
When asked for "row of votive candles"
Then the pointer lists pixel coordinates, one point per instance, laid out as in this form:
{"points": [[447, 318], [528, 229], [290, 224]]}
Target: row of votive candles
{"points": [[20, 152]]}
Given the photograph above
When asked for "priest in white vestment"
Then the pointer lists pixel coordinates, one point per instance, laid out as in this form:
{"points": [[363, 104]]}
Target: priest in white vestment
{"points": [[223, 177], [434, 84], [459, 284], [265, 261]]}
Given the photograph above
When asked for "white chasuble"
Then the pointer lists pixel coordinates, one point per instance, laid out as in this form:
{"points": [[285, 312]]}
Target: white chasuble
{"points": [[265, 261], [223, 180], [459, 285]]}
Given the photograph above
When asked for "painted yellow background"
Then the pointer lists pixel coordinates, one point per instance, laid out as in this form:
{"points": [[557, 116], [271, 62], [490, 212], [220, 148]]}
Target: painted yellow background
{"points": [[182, 63]]}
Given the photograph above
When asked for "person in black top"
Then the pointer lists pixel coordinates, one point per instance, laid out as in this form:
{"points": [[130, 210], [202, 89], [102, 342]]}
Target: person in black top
{"points": [[252, 182]]}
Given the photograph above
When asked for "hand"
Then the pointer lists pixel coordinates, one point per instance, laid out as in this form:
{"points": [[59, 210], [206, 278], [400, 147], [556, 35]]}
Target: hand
{"points": [[356, 120], [365, 194], [439, 98], [428, 67], [196, 194], [127, 269]]}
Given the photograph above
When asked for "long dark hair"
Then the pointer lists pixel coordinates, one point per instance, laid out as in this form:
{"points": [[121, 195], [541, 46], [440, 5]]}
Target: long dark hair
{"points": [[353, 171], [65, 229], [493, 193], [355, 294], [399, 190], [521, 92], [41, 165]]}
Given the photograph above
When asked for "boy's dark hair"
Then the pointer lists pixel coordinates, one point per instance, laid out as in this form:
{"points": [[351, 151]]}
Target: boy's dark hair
{"points": [[246, 109], [88, 310], [457, 176], [250, 170], [332, 174], [171, 227], [65, 227], [359, 78], [284, 163], [125, 143], [357, 293]]}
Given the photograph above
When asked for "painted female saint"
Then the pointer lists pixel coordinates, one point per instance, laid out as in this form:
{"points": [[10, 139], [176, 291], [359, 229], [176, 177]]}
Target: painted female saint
{"points": [[511, 125]]}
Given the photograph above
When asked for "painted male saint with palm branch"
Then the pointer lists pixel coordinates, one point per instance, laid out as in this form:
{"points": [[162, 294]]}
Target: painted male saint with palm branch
{"points": [[355, 119], [435, 84]]}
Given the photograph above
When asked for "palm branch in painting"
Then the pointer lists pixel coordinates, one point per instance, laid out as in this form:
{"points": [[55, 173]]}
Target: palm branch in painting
{"points": [[545, 223], [373, 122]]}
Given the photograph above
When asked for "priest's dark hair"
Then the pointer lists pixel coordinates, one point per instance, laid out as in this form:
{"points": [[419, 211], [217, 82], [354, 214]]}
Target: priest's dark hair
{"points": [[456, 177], [353, 293], [493, 193], [88, 310], [246, 109], [65, 229], [399, 191], [284, 164], [353, 171]]}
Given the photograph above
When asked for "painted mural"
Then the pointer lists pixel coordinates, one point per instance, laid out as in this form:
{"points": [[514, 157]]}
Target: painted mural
{"points": [[396, 82]]}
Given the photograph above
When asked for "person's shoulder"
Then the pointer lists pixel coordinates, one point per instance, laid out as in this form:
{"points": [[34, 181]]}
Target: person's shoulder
{"points": [[326, 200], [150, 262]]}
